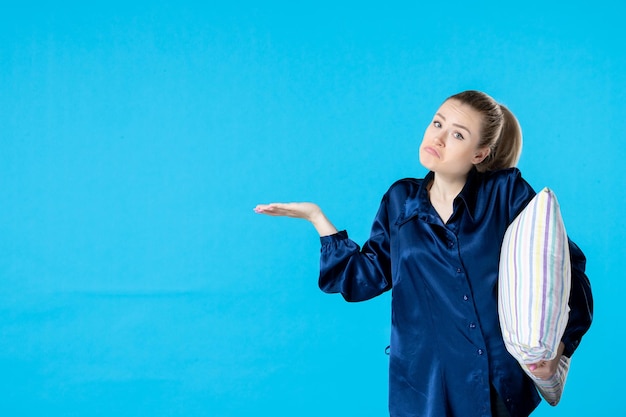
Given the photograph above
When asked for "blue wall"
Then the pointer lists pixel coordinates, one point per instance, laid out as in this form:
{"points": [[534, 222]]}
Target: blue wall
{"points": [[135, 278]]}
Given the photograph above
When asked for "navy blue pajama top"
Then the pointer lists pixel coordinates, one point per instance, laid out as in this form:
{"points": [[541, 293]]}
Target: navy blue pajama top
{"points": [[446, 347]]}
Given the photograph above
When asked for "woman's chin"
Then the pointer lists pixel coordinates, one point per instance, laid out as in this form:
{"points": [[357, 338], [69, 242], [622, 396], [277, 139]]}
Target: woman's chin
{"points": [[426, 161]]}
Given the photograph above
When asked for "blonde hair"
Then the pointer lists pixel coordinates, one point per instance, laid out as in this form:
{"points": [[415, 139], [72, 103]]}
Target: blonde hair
{"points": [[500, 130]]}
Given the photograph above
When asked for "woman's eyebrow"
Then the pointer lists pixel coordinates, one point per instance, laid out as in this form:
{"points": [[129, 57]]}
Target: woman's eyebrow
{"points": [[461, 127], [454, 124]]}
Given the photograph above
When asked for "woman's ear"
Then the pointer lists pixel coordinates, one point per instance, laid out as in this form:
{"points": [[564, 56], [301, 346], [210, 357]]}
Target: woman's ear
{"points": [[480, 155]]}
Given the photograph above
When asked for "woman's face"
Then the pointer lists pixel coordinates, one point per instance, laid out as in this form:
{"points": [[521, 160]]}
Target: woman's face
{"points": [[450, 144]]}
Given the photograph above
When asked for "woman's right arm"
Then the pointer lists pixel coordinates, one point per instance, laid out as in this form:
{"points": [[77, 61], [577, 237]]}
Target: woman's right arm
{"points": [[358, 274]]}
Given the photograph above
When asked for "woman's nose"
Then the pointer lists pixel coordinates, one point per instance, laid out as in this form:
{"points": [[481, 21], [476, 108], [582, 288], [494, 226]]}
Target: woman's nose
{"points": [[439, 138]]}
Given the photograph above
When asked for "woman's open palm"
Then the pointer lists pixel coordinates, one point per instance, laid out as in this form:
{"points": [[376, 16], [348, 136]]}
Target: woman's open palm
{"points": [[308, 211], [299, 210]]}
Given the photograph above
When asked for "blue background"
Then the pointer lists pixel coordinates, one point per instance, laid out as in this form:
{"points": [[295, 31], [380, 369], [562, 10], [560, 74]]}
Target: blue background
{"points": [[135, 278]]}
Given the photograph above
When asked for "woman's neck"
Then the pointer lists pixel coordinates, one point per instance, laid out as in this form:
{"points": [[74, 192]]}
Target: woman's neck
{"points": [[442, 191], [447, 188]]}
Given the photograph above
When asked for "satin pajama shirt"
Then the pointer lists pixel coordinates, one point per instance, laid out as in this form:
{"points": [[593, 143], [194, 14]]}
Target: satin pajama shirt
{"points": [[446, 347]]}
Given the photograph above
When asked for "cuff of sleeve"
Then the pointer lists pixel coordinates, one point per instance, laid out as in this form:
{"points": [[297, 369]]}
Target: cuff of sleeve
{"points": [[570, 346], [341, 235]]}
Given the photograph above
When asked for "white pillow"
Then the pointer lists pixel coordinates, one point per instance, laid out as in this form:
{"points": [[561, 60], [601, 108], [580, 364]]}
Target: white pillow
{"points": [[534, 288]]}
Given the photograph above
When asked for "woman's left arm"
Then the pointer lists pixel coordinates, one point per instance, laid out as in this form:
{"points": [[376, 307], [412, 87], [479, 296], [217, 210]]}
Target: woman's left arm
{"points": [[580, 301]]}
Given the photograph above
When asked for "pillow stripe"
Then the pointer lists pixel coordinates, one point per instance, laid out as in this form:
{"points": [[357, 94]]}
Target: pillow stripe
{"points": [[548, 265], [545, 315]]}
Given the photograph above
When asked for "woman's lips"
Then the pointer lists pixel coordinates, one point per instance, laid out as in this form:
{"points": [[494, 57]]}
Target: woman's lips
{"points": [[431, 151]]}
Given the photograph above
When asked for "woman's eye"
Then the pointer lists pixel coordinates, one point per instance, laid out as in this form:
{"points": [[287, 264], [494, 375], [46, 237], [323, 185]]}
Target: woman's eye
{"points": [[457, 135], [436, 124]]}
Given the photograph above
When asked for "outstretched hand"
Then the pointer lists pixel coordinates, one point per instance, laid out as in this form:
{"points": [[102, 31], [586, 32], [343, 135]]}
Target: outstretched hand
{"points": [[307, 211]]}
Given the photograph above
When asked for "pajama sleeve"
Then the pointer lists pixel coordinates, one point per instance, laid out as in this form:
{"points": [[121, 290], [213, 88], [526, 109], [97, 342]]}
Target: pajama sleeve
{"points": [[357, 273], [580, 302]]}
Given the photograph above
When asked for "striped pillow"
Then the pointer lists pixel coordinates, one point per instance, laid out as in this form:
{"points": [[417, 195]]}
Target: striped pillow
{"points": [[534, 287]]}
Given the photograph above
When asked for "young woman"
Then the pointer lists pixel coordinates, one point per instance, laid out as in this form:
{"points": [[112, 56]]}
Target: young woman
{"points": [[435, 243]]}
